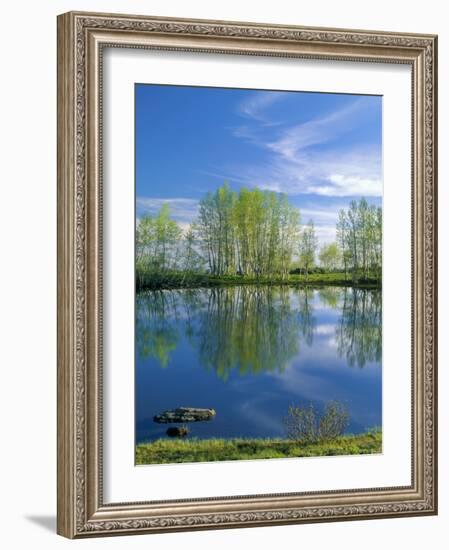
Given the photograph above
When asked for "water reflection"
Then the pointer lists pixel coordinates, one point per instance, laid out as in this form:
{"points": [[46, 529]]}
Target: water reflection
{"points": [[249, 352], [359, 330], [306, 317], [250, 329]]}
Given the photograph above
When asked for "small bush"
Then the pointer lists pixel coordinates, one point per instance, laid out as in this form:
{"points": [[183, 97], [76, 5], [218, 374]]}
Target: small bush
{"points": [[305, 425]]}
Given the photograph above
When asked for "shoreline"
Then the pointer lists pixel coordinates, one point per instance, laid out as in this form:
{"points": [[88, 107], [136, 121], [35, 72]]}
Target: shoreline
{"points": [[175, 281], [170, 451]]}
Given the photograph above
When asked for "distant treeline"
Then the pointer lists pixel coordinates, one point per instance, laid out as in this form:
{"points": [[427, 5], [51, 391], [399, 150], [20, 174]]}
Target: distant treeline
{"points": [[258, 234]]}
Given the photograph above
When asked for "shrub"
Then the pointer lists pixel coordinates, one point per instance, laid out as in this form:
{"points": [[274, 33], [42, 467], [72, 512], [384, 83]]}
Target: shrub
{"points": [[305, 425]]}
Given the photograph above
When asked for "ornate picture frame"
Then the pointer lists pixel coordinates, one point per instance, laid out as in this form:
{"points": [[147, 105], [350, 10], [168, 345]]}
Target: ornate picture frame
{"points": [[82, 38]]}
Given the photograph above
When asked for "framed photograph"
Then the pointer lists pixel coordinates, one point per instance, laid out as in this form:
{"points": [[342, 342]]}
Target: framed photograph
{"points": [[247, 277]]}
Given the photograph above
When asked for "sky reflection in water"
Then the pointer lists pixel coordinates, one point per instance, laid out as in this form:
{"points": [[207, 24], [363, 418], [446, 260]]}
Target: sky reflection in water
{"points": [[249, 352]]}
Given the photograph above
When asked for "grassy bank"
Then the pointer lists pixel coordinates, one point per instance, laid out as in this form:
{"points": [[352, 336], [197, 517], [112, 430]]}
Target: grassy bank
{"points": [[174, 280], [166, 451]]}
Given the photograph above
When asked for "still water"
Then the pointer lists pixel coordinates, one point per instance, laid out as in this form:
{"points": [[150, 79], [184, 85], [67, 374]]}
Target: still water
{"points": [[249, 352]]}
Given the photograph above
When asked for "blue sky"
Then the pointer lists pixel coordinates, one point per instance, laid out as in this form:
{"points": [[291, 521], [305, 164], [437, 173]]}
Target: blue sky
{"points": [[322, 150]]}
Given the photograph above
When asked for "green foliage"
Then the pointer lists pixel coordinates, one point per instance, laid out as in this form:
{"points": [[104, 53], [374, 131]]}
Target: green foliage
{"points": [[157, 239], [255, 235], [359, 235], [330, 257], [167, 451], [192, 261], [307, 248], [305, 425], [252, 233]]}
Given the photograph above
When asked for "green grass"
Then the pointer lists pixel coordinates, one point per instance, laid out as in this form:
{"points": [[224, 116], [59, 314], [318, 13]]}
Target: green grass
{"points": [[166, 451], [173, 280]]}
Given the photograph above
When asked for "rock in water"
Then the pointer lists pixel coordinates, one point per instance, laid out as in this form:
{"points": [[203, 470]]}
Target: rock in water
{"points": [[184, 414], [177, 431]]}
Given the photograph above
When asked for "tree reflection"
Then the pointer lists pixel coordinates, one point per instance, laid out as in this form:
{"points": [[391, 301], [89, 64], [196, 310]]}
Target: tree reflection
{"points": [[157, 316], [359, 330], [331, 296], [248, 328], [251, 329], [305, 311], [154, 335], [254, 329]]}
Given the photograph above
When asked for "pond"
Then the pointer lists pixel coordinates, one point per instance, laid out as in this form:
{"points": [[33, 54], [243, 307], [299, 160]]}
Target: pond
{"points": [[251, 351]]}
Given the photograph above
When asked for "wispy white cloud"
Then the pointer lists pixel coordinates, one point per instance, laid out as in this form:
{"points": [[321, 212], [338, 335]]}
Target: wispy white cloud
{"points": [[256, 106], [315, 131], [320, 215], [324, 219], [303, 162], [354, 172], [227, 177], [251, 134], [326, 233], [344, 185]]}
